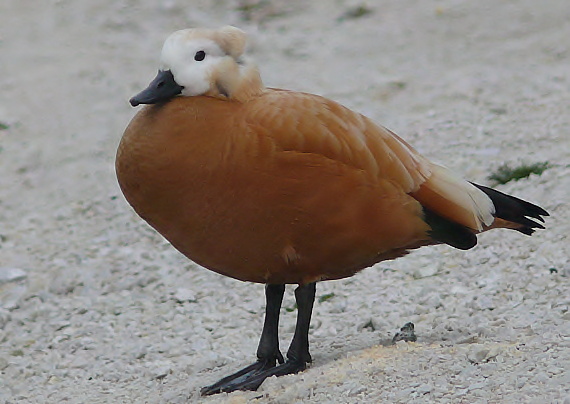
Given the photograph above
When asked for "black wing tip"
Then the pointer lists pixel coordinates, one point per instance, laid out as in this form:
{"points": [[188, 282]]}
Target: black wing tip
{"points": [[533, 210], [525, 221], [525, 230], [516, 210]]}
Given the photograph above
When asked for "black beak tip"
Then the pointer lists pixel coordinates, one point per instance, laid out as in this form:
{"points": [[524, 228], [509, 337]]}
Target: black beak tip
{"points": [[134, 102]]}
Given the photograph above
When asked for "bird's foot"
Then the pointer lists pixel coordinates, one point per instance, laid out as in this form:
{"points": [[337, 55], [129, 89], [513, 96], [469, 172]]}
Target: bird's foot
{"points": [[251, 377]]}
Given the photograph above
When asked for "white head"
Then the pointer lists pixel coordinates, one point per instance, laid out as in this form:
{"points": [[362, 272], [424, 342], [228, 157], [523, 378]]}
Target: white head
{"points": [[203, 62]]}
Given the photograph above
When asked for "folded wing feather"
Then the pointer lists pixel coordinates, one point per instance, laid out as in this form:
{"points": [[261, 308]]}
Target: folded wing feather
{"points": [[311, 124]]}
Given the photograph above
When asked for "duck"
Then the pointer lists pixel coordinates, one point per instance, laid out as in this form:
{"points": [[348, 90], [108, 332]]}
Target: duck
{"points": [[278, 187]]}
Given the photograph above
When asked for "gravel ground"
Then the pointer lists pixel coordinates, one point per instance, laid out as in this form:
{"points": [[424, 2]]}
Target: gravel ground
{"points": [[95, 307]]}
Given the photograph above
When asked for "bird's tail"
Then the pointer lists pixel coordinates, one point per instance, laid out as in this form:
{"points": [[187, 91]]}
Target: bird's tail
{"points": [[514, 213], [451, 197], [456, 210]]}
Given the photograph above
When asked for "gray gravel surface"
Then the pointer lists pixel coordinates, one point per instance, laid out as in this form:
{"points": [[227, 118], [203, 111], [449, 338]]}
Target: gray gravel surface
{"points": [[95, 307]]}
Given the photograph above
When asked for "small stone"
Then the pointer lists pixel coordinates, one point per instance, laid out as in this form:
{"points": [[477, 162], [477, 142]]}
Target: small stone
{"points": [[183, 295], [484, 303], [542, 377], [140, 352], [521, 381], [356, 390], [482, 354], [424, 388], [161, 372], [425, 271], [478, 355], [404, 394], [469, 340], [355, 12], [406, 333], [5, 317], [60, 325], [368, 325], [476, 386], [8, 274], [528, 331], [80, 363], [61, 285], [499, 110], [11, 295], [460, 392]]}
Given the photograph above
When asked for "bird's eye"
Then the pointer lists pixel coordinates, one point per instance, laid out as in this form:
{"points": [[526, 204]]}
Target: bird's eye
{"points": [[199, 56]]}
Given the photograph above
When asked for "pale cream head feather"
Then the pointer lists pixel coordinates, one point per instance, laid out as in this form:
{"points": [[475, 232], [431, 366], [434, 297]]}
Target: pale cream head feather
{"points": [[211, 62]]}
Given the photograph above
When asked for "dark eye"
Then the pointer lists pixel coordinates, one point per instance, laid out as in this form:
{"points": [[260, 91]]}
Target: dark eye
{"points": [[199, 56]]}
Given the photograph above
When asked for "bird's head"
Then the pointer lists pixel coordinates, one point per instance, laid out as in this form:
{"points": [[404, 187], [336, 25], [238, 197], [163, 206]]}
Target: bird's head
{"points": [[202, 61]]}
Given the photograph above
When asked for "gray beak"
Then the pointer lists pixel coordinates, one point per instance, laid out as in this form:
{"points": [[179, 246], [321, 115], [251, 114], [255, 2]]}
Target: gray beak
{"points": [[162, 88]]}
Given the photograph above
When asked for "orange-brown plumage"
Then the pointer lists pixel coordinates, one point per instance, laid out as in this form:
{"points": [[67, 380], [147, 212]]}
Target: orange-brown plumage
{"points": [[270, 193], [285, 187], [277, 187]]}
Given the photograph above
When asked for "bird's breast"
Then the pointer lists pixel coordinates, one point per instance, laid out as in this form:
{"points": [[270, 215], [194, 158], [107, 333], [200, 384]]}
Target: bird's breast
{"points": [[192, 171]]}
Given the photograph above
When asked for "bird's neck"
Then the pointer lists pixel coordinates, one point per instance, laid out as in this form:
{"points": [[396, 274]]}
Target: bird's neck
{"points": [[238, 83]]}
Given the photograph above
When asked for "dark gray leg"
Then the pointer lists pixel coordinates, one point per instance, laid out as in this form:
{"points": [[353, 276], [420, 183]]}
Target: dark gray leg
{"points": [[299, 348], [268, 350], [298, 354]]}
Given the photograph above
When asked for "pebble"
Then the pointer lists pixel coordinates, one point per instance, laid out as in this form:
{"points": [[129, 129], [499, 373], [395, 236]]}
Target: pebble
{"points": [[460, 392], [476, 386], [521, 381], [469, 340], [356, 390], [541, 377], [161, 372], [481, 354], [11, 294], [183, 295], [4, 317], [478, 355], [425, 271], [484, 303], [9, 274], [404, 394]]}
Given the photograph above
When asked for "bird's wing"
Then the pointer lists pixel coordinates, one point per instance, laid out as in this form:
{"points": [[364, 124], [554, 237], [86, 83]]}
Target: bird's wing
{"points": [[307, 123]]}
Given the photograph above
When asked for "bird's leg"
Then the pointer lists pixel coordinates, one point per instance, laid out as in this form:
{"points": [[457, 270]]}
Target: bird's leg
{"points": [[268, 350], [299, 349], [298, 354]]}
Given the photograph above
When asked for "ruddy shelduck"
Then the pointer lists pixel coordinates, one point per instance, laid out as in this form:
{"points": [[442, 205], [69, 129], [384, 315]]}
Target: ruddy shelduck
{"points": [[281, 187]]}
